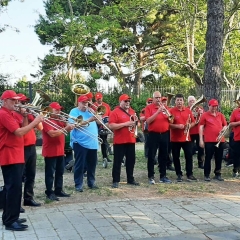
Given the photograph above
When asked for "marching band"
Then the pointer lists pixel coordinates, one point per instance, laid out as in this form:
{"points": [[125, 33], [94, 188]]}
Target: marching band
{"points": [[167, 130]]}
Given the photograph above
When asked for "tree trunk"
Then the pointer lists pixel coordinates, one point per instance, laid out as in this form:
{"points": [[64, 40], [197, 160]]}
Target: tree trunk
{"points": [[214, 50]]}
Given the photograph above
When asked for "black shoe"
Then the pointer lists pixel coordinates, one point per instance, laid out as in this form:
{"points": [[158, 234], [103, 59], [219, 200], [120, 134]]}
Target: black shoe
{"points": [[70, 165], [115, 185], [22, 210], [109, 160], [79, 189], [52, 197], [218, 177], [62, 194], [94, 187], [20, 220], [229, 164], [191, 178], [207, 179], [16, 227], [31, 202], [134, 183], [179, 178], [170, 168]]}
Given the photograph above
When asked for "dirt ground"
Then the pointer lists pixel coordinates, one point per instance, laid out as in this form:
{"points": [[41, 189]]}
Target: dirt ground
{"points": [[105, 192]]}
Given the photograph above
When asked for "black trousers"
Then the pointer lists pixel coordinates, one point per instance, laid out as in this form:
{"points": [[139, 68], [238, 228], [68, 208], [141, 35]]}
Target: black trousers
{"points": [[146, 136], [121, 150], [211, 150], [187, 148], [200, 154], [30, 156], [236, 156], [157, 141], [54, 169], [12, 177], [104, 145]]}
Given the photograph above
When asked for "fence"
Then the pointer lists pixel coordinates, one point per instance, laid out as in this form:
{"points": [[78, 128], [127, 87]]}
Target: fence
{"points": [[64, 95]]}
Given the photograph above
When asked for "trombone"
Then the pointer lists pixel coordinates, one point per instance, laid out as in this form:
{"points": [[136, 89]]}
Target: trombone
{"points": [[35, 111], [187, 127]]}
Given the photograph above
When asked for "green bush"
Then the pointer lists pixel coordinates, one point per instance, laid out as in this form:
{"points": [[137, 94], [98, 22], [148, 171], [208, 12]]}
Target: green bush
{"points": [[227, 112]]}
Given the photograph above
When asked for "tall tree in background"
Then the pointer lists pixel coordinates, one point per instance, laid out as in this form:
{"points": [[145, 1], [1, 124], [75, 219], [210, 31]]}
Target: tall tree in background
{"points": [[214, 50]]}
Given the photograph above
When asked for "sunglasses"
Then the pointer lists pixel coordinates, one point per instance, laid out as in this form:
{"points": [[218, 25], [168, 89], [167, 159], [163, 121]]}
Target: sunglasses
{"points": [[126, 101], [149, 102]]}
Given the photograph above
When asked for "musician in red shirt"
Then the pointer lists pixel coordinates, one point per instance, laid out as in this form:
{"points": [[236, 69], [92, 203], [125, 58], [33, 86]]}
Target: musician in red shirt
{"points": [[212, 123], [169, 160], [235, 124], [53, 153], [194, 132], [180, 138], [30, 157], [12, 159], [158, 126], [103, 133], [145, 127], [122, 121]]}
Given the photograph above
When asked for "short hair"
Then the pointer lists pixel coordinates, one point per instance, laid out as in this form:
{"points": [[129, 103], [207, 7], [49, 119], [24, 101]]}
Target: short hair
{"points": [[190, 98], [179, 95]]}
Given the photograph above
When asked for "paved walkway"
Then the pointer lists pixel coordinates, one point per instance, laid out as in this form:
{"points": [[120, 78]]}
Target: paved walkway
{"points": [[170, 219]]}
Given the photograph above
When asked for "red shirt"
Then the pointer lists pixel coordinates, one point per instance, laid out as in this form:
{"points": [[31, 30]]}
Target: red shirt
{"points": [[30, 137], [11, 146], [180, 117], [160, 124], [122, 135], [108, 109], [52, 146], [235, 117], [212, 126]]}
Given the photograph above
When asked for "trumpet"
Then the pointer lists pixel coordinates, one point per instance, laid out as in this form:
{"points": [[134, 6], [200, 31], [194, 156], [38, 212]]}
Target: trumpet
{"points": [[187, 127], [165, 111], [222, 134], [134, 118]]}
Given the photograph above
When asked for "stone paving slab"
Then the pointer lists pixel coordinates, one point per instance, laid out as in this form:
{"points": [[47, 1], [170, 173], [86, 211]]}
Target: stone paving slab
{"points": [[207, 218]]}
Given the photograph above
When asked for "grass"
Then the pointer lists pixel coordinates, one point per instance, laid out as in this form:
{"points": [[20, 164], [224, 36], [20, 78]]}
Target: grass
{"points": [[104, 181]]}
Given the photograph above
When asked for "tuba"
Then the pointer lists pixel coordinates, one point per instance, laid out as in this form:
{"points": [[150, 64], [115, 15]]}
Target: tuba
{"points": [[80, 89], [194, 108], [40, 98], [169, 98]]}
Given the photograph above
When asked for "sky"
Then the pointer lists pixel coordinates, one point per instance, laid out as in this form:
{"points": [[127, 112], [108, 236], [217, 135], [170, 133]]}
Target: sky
{"points": [[19, 52]]}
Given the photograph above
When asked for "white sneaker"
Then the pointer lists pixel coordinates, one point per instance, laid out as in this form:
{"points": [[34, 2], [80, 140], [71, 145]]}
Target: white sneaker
{"points": [[151, 181]]}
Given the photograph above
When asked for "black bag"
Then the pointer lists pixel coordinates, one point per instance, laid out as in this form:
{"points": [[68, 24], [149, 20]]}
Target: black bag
{"points": [[2, 196]]}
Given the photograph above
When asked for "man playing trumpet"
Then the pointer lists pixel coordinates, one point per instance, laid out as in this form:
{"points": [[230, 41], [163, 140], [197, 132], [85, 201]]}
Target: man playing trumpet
{"points": [[212, 125], [158, 126], [180, 138]]}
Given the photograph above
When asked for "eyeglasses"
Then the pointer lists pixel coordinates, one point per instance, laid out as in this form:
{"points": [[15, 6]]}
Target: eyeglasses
{"points": [[126, 101], [149, 102], [157, 97]]}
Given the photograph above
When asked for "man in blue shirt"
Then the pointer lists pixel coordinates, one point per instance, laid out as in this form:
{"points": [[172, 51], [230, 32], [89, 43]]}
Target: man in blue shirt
{"points": [[84, 142]]}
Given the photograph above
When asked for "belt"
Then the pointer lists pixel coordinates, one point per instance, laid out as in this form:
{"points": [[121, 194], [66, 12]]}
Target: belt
{"points": [[158, 132]]}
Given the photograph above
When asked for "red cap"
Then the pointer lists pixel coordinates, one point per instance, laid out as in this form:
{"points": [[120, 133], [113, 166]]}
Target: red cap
{"points": [[213, 102], [89, 95], [98, 95], [163, 98], [124, 97], [149, 100], [83, 98], [23, 97], [56, 106], [9, 94]]}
